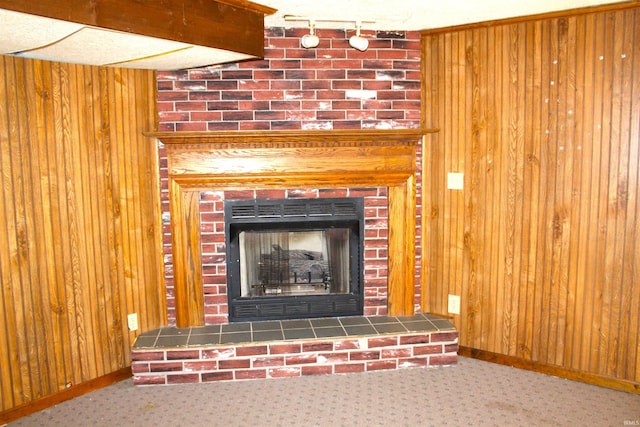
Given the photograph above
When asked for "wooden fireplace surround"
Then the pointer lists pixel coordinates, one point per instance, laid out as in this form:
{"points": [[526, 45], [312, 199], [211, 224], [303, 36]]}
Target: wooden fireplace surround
{"points": [[205, 161]]}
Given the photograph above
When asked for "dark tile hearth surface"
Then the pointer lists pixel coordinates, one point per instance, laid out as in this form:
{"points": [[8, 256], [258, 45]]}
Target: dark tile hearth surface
{"points": [[287, 330]]}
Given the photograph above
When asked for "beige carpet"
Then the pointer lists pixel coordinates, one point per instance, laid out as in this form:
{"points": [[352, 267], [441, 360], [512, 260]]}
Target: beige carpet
{"points": [[470, 393]]}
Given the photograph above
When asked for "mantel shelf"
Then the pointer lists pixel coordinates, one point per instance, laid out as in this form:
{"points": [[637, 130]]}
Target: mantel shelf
{"points": [[326, 137]]}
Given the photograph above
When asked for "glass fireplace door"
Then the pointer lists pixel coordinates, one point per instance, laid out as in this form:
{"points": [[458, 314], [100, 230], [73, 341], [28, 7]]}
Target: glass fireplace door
{"points": [[290, 263]]}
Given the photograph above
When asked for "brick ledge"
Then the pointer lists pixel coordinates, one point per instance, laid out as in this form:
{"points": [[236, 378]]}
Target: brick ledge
{"points": [[277, 359]]}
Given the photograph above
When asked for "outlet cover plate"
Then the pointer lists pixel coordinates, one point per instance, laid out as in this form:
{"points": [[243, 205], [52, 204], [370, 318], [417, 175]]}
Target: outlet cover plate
{"points": [[455, 181], [454, 304], [132, 320]]}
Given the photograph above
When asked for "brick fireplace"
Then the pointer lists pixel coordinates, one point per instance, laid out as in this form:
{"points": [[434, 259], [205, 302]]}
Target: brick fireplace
{"points": [[332, 122], [215, 166]]}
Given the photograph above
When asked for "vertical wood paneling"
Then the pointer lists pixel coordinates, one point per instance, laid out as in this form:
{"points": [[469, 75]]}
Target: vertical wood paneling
{"points": [[79, 236], [543, 117]]}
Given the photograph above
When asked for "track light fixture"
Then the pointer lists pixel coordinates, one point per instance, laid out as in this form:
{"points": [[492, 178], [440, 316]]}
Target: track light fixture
{"points": [[358, 42], [310, 40]]}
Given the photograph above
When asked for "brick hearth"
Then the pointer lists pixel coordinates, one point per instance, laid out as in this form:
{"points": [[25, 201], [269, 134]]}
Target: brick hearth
{"points": [[291, 348]]}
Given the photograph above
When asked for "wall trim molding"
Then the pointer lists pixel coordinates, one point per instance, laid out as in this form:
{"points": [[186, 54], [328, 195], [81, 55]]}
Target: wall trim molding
{"points": [[64, 395], [557, 371]]}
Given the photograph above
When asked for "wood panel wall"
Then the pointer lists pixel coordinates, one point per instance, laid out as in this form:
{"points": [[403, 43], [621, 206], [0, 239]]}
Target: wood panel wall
{"points": [[543, 118], [79, 239]]}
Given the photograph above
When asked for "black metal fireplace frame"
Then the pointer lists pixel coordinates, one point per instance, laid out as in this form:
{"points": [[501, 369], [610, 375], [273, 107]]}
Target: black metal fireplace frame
{"points": [[294, 215]]}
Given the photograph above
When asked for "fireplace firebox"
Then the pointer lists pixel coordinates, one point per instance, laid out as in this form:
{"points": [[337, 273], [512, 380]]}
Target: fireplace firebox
{"points": [[294, 258]]}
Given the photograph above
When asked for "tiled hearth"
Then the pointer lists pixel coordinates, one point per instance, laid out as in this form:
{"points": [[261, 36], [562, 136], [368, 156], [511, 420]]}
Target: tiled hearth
{"points": [[291, 348]]}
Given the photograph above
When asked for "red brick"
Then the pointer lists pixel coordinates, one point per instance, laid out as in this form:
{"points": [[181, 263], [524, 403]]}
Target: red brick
{"points": [[317, 346], [221, 126], [200, 365], [300, 359], [206, 116], [234, 364], [183, 354], [447, 359], [286, 125], [218, 353], [239, 194], [270, 194], [415, 339], [268, 361], [389, 353], [364, 355], [217, 376], [383, 341], [149, 380], [444, 336], [317, 370], [183, 379], [346, 345], [165, 367], [381, 364], [252, 350], [173, 96], [284, 348], [250, 374], [139, 368], [147, 355], [333, 192], [451, 348], [333, 357], [345, 368], [412, 362], [427, 349], [284, 372]]}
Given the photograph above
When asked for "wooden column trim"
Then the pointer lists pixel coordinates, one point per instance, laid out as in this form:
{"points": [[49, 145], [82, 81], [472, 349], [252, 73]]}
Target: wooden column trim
{"points": [[187, 255], [202, 161]]}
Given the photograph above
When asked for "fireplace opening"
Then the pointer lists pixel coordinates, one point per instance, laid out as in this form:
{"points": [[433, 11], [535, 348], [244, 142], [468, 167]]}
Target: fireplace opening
{"points": [[294, 258]]}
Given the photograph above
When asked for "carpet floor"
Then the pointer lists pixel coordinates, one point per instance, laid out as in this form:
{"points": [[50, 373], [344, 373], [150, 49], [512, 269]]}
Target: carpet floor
{"points": [[471, 393]]}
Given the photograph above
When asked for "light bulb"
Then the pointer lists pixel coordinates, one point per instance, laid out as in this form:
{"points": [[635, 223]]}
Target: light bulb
{"points": [[359, 43], [309, 41]]}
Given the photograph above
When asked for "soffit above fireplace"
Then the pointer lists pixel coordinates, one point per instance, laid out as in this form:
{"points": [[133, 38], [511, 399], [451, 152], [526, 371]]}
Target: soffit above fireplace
{"points": [[202, 161]]}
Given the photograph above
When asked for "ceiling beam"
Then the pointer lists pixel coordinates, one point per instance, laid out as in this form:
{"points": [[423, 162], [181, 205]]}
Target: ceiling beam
{"points": [[234, 25]]}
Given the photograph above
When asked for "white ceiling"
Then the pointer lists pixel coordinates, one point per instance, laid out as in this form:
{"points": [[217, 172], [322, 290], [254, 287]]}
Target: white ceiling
{"points": [[408, 15], [45, 38]]}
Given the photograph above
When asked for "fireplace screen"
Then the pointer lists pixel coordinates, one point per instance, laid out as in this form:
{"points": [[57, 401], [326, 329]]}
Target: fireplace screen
{"points": [[294, 258], [294, 262]]}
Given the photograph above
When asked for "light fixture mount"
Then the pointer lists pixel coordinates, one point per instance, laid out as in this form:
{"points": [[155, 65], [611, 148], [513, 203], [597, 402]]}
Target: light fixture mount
{"points": [[310, 40], [358, 42]]}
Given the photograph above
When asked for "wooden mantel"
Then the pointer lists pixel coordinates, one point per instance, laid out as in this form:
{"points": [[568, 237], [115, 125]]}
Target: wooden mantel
{"points": [[203, 161]]}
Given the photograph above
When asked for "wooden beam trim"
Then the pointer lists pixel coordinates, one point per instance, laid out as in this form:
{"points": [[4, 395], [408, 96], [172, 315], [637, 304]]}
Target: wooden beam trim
{"points": [[216, 24]]}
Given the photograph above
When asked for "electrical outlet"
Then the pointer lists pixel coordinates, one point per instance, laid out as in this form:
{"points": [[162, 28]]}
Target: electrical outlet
{"points": [[455, 181], [132, 320], [454, 304]]}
